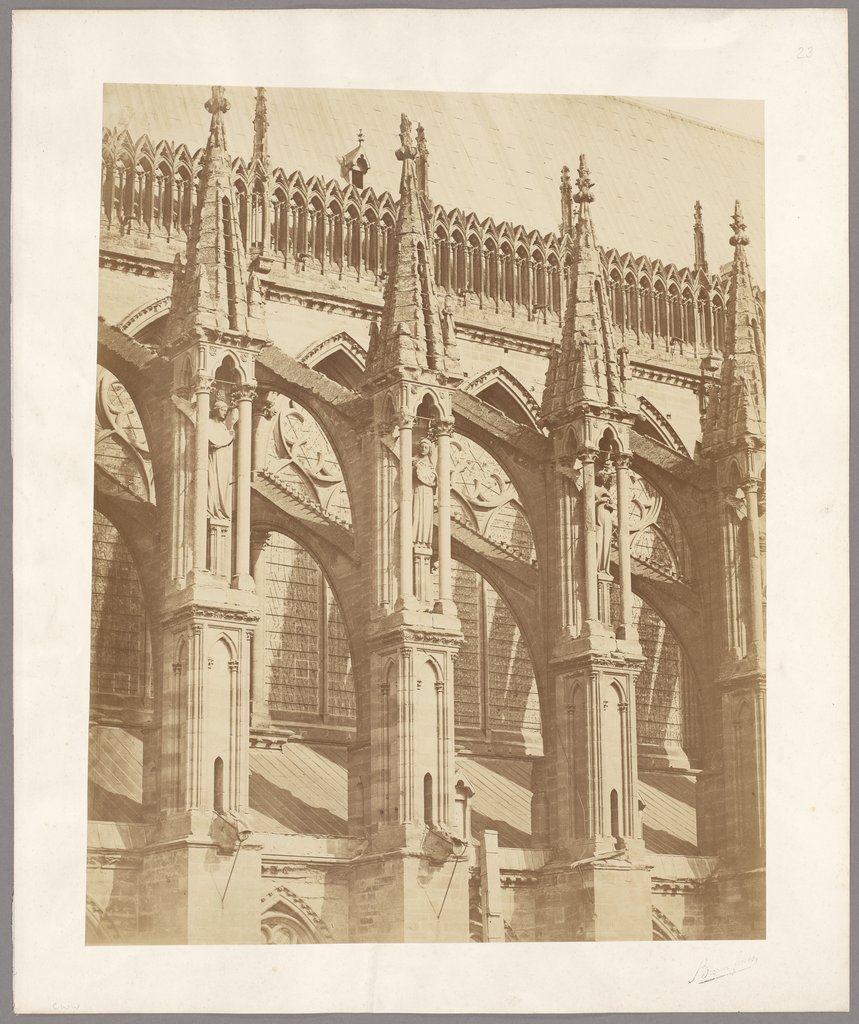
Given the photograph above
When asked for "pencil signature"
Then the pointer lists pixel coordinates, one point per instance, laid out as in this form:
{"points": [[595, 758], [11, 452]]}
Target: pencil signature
{"points": [[705, 972]]}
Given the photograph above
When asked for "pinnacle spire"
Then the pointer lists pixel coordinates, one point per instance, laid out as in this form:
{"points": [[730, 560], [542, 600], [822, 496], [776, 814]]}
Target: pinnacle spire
{"points": [[700, 252], [741, 303], [585, 369], [215, 290], [566, 202], [415, 333], [423, 170], [740, 411], [261, 128]]}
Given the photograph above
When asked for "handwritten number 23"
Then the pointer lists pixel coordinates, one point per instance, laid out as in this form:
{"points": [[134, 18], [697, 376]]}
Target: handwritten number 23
{"points": [[804, 52]]}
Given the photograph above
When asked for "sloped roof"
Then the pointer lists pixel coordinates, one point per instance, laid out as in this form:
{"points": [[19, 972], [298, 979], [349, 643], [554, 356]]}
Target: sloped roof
{"points": [[115, 790], [498, 155], [669, 820], [302, 789]]}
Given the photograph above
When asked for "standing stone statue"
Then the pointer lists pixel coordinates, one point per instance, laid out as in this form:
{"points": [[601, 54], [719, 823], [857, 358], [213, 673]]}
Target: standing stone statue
{"points": [[424, 493], [604, 521], [220, 461]]}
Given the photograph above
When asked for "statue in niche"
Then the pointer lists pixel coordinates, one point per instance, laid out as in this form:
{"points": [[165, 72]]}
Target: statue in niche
{"points": [[424, 483], [220, 460], [256, 302], [623, 363], [604, 520]]}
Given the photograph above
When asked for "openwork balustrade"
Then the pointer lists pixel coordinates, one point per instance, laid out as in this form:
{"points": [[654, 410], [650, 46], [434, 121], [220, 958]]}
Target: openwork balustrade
{"points": [[332, 228]]}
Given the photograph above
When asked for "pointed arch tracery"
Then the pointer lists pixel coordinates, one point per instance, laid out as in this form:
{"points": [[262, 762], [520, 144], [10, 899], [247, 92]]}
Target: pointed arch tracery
{"points": [[658, 539], [122, 453], [288, 919]]}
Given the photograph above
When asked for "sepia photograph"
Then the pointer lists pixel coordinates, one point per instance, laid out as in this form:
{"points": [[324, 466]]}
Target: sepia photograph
{"points": [[429, 519]]}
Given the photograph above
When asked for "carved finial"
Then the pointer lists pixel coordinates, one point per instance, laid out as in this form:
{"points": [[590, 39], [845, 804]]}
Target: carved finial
{"points": [[584, 183], [218, 103], [407, 145], [699, 221], [423, 149], [360, 137], [738, 226], [565, 178]]}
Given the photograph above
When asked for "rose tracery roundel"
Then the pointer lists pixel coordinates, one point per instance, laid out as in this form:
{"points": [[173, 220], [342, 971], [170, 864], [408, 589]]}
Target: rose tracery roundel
{"points": [[121, 447], [477, 476], [656, 537], [484, 499], [115, 411], [302, 457]]}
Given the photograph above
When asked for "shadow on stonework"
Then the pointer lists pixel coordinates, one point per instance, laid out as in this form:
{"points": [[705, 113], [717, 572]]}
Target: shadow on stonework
{"points": [[105, 805], [507, 834], [293, 814]]}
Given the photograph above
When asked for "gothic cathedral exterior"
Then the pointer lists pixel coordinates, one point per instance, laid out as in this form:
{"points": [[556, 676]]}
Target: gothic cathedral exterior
{"points": [[428, 550]]}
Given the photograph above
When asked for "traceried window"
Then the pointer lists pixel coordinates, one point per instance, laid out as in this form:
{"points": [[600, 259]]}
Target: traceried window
{"points": [[666, 691], [308, 661], [494, 686], [118, 633]]}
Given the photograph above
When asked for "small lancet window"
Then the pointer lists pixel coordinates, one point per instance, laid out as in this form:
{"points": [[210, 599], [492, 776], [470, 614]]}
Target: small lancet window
{"points": [[219, 785], [615, 820], [428, 801]]}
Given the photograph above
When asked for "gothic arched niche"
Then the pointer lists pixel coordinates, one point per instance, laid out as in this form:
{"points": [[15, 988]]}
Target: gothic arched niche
{"points": [[122, 454], [480, 484], [308, 659], [119, 636], [302, 458], [495, 689]]}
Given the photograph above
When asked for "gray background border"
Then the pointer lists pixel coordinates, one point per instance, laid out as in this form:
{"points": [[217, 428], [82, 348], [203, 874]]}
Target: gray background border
{"points": [[6, 522]]}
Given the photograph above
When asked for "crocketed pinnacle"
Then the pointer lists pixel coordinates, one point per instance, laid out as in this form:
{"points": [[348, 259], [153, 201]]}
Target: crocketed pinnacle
{"points": [[700, 251], [566, 202], [261, 155], [415, 335], [584, 370], [214, 290], [740, 412]]}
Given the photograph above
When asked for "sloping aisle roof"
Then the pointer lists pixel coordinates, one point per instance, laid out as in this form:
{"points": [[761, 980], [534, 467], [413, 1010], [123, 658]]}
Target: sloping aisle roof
{"points": [[498, 155], [302, 789]]}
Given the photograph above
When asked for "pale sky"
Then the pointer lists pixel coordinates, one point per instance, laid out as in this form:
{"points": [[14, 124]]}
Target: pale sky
{"points": [[746, 116]]}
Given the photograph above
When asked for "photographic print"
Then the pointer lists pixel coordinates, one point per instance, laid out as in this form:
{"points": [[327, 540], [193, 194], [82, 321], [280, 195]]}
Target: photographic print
{"points": [[429, 536]]}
